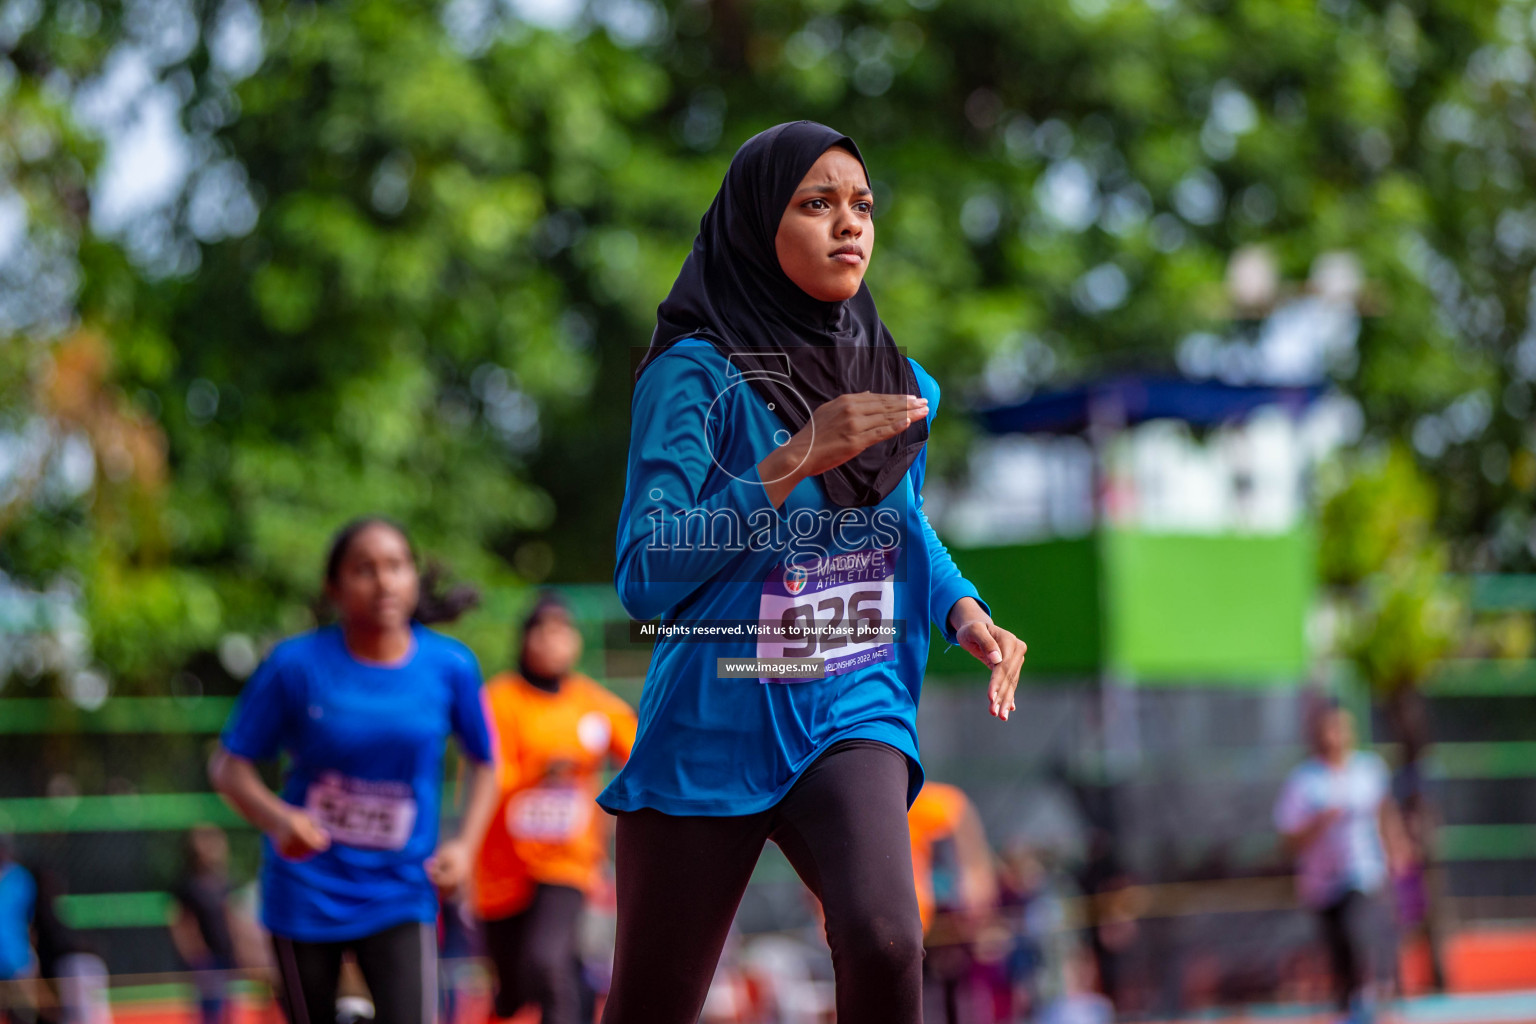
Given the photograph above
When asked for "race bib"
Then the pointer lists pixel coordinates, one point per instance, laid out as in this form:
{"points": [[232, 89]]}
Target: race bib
{"points": [[371, 814], [840, 608], [550, 815]]}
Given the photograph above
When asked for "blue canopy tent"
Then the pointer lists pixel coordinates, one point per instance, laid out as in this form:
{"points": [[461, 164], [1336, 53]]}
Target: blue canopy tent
{"points": [[1223, 607], [1129, 399]]}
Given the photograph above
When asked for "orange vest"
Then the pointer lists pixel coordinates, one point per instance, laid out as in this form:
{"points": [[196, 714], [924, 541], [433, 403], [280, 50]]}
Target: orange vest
{"points": [[550, 748], [933, 816]]}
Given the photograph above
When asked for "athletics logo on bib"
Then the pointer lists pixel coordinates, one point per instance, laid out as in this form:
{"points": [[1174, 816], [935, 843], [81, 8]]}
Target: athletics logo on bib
{"points": [[841, 608], [370, 814]]}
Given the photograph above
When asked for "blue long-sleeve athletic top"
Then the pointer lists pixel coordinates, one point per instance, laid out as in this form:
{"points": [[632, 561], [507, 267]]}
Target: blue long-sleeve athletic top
{"points": [[701, 548]]}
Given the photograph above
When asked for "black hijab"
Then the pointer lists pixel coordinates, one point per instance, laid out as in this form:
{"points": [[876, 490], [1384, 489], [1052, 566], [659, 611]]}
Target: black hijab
{"points": [[546, 604], [797, 351]]}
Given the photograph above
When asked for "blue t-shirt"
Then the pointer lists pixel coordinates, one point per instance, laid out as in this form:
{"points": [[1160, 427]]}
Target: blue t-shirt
{"points": [[701, 548], [366, 745], [18, 897]]}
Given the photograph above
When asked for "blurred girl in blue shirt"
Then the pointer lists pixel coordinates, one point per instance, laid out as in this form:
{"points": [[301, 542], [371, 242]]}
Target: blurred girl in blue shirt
{"points": [[363, 710]]}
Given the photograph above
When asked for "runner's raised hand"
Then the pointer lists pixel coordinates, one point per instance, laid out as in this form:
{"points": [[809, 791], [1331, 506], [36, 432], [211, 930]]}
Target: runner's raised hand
{"points": [[838, 431]]}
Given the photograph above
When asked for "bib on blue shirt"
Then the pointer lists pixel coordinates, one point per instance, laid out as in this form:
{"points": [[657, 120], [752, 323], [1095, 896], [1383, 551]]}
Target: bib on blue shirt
{"points": [[366, 745]]}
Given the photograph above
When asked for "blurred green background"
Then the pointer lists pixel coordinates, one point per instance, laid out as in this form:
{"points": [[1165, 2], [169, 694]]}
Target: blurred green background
{"points": [[267, 267], [405, 250]]}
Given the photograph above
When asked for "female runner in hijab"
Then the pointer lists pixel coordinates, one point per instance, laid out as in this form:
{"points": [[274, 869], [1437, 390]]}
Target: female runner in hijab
{"points": [[773, 515]]}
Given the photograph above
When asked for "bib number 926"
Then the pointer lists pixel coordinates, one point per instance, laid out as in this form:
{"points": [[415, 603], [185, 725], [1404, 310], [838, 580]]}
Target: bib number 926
{"points": [[832, 623], [841, 610]]}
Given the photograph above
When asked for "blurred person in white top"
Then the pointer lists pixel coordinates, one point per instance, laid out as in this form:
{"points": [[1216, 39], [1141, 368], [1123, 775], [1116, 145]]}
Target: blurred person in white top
{"points": [[1337, 819]]}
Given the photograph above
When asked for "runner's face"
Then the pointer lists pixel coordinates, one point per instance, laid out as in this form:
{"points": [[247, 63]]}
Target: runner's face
{"points": [[376, 586], [552, 646], [1335, 734], [827, 233]]}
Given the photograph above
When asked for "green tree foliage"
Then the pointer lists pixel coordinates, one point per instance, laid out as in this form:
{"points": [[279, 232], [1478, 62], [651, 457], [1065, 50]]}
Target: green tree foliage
{"points": [[80, 500], [390, 333], [1379, 552], [383, 337], [1399, 131], [419, 243]]}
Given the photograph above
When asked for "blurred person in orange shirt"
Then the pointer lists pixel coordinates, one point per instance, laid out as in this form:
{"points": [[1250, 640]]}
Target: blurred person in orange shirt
{"points": [[545, 849], [957, 893]]}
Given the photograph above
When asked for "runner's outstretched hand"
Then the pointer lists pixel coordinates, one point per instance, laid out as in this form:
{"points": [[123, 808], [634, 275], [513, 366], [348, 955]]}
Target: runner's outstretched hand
{"points": [[300, 837], [448, 868], [994, 647]]}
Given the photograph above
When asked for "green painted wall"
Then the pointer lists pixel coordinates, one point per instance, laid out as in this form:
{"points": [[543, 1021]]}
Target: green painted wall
{"points": [[1158, 608], [23, 715], [1047, 593], [1224, 608]]}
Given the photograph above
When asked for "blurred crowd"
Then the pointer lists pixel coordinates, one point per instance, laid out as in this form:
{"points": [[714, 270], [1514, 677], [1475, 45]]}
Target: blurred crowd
{"points": [[1012, 934], [52, 974]]}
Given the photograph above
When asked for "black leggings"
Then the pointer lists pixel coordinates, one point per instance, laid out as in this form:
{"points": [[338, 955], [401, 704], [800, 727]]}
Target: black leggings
{"points": [[1349, 933], [399, 964], [535, 956], [844, 829]]}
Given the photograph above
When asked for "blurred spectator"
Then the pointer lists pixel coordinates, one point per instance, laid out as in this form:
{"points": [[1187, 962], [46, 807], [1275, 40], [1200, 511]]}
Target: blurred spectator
{"points": [[1078, 1002], [200, 920], [254, 956], [18, 896], [73, 985], [1415, 878], [729, 999], [956, 898], [1049, 929], [556, 729], [599, 930], [1110, 899], [782, 977], [457, 943], [1332, 813], [1021, 896]]}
